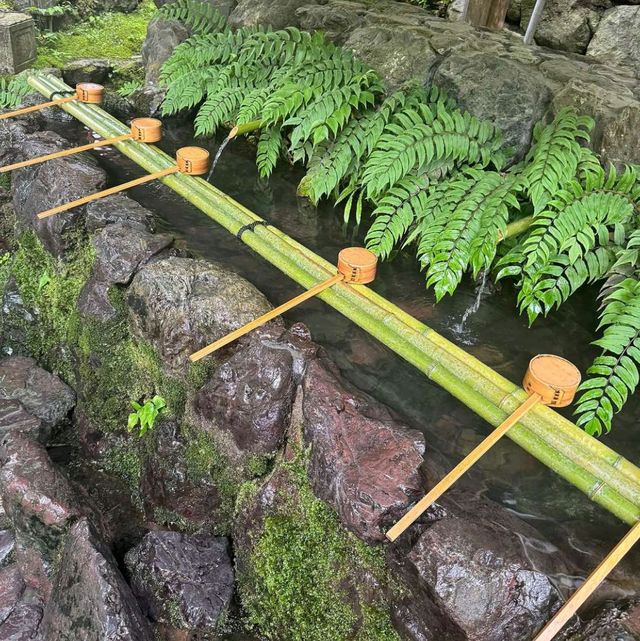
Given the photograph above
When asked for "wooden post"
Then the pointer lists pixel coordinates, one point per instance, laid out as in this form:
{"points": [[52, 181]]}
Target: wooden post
{"points": [[487, 13]]}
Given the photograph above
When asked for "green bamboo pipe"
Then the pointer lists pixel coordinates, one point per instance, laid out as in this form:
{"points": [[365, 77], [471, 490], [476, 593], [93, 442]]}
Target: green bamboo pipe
{"points": [[602, 486], [570, 444]]}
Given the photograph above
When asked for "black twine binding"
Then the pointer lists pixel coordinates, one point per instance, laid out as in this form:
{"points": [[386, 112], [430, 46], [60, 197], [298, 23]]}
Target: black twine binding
{"points": [[250, 227], [62, 94]]}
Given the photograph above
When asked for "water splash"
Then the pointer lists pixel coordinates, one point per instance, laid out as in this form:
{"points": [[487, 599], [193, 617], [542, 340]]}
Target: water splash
{"points": [[221, 149], [475, 306]]}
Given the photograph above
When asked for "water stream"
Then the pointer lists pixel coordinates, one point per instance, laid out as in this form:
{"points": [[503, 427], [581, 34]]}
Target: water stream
{"points": [[460, 328], [493, 332], [216, 158]]}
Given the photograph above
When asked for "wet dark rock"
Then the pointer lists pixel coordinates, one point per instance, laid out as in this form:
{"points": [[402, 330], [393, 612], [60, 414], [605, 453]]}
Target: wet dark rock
{"points": [[11, 589], [477, 571], [36, 495], [14, 418], [364, 461], [120, 251], [168, 486], [616, 621], [16, 318], [87, 70], [185, 581], [50, 184], [180, 305], [115, 209], [250, 396], [42, 394], [163, 36], [91, 600], [24, 621], [7, 545]]}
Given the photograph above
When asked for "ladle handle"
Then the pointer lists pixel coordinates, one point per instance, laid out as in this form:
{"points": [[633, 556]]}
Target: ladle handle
{"points": [[64, 153], [569, 609], [265, 318], [42, 105], [108, 192], [459, 470]]}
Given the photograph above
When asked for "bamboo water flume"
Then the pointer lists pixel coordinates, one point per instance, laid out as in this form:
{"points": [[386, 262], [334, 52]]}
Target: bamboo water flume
{"points": [[550, 380], [356, 265], [147, 130], [87, 92], [605, 476], [189, 160]]}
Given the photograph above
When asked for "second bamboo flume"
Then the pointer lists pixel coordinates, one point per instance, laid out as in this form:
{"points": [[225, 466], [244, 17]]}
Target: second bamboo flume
{"points": [[550, 380], [147, 130], [605, 476]]}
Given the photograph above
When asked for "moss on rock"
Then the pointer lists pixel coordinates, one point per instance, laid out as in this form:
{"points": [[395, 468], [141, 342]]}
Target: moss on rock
{"points": [[302, 577]]}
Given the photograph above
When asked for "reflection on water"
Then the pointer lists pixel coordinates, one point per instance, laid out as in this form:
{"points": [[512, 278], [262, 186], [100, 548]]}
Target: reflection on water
{"points": [[494, 334]]}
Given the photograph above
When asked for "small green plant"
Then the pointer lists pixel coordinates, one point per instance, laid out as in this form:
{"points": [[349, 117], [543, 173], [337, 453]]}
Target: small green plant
{"points": [[43, 281], [145, 416], [12, 90]]}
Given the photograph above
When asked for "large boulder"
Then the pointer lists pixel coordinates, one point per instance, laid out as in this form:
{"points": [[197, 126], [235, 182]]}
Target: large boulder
{"points": [[20, 608], [616, 621], [485, 572], [363, 461], [184, 581], [180, 305], [91, 600], [510, 96], [118, 208], [42, 394], [277, 13], [567, 25], [163, 36], [392, 52], [50, 184], [250, 396], [616, 38], [120, 251]]}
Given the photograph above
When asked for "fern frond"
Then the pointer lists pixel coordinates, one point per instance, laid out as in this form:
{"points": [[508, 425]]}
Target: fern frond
{"points": [[418, 139], [218, 108], [468, 236], [269, 148], [552, 162], [199, 15], [614, 374], [396, 212]]}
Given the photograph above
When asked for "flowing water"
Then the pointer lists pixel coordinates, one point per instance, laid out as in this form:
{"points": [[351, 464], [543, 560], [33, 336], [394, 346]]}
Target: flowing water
{"points": [[485, 319], [216, 158]]}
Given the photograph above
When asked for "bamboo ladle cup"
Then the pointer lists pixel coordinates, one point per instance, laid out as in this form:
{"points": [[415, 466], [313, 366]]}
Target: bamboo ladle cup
{"points": [[550, 380], [87, 92], [571, 607], [356, 265], [193, 161], [147, 130]]}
